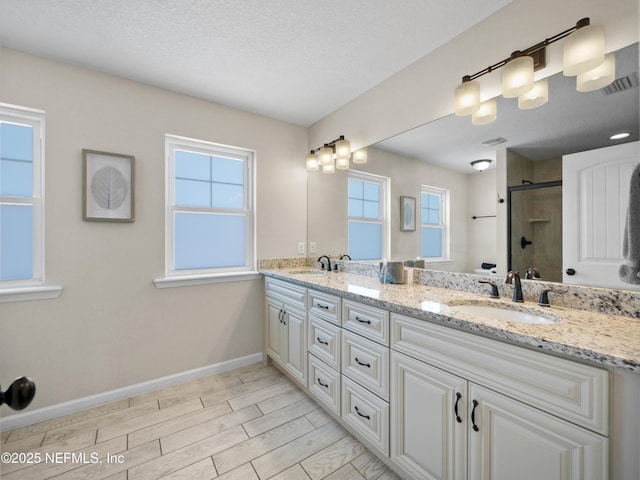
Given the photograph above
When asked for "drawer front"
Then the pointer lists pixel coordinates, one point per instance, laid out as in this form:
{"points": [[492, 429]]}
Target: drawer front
{"points": [[571, 390], [325, 306], [366, 362], [324, 341], [324, 384], [369, 322], [286, 292], [367, 414]]}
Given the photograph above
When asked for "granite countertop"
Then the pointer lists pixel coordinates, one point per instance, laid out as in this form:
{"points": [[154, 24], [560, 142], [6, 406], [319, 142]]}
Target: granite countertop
{"points": [[607, 340]]}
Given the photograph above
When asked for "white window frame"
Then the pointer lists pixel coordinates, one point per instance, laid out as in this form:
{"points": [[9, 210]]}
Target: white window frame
{"points": [[383, 183], [182, 277], [33, 288], [444, 224]]}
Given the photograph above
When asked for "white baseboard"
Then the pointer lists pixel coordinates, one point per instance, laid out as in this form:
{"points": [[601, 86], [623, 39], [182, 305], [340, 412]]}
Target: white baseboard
{"points": [[46, 413]]}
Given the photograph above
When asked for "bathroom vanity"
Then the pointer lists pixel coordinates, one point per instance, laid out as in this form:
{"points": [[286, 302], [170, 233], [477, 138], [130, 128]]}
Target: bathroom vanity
{"points": [[440, 392]]}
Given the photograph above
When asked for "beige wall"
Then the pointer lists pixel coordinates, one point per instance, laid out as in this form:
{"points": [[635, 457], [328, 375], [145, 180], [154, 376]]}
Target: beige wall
{"points": [[111, 327]]}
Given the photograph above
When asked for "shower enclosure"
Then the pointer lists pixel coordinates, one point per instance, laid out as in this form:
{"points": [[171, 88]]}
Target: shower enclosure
{"points": [[535, 229]]}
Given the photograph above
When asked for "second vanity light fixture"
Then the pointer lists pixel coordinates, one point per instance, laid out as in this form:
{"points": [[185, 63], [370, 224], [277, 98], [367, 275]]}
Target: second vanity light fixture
{"points": [[583, 57], [334, 155]]}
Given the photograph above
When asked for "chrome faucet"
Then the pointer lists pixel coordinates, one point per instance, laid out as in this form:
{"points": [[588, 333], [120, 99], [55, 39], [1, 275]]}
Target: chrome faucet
{"points": [[514, 277], [328, 266]]}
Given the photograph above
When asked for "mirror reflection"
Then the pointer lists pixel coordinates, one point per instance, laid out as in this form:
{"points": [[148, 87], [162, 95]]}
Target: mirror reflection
{"points": [[525, 148]]}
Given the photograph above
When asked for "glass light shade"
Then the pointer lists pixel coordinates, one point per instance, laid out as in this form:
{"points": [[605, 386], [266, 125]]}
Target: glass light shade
{"points": [[487, 113], [342, 163], [467, 98], [599, 77], [329, 168], [343, 149], [538, 95], [583, 50], [360, 156], [481, 164], [312, 162], [325, 156], [517, 76]]}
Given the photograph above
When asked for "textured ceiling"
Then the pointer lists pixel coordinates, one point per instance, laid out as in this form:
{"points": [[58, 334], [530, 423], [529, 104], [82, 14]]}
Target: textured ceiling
{"points": [[294, 60]]}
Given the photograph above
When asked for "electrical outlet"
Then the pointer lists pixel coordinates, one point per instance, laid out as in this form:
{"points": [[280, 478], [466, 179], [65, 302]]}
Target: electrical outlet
{"points": [[312, 247], [301, 247]]}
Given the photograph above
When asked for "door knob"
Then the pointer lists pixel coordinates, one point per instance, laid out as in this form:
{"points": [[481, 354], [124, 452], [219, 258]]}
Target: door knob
{"points": [[570, 271]]}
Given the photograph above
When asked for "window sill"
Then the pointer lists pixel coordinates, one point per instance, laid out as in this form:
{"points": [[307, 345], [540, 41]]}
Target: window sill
{"points": [[23, 294], [191, 280]]}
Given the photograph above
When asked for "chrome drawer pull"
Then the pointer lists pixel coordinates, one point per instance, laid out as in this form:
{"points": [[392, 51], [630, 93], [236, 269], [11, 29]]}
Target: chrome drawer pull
{"points": [[323, 384], [368, 365], [322, 341], [458, 397], [362, 415], [363, 321]]}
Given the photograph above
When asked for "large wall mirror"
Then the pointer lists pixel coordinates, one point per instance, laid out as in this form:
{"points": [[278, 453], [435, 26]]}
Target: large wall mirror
{"points": [[526, 149]]}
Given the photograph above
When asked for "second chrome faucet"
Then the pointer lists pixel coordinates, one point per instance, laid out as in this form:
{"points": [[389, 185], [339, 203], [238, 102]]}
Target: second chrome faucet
{"points": [[514, 278]]}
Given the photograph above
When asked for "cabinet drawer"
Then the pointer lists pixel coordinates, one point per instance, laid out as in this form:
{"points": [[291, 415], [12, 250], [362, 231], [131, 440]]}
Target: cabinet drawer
{"points": [[367, 414], [325, 306], [571, 390], [324, 341], [286, 292], [366, 362], [324, 384], [369, 322]]}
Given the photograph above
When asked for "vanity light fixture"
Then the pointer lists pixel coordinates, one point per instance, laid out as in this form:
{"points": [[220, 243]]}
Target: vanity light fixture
{"points": [[583, 56], [334, 155], [481, 165]]}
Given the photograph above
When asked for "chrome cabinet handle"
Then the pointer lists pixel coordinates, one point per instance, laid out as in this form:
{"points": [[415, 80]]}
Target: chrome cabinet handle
{"points": [[362, 414], [368, 365], [473, 416], [458, 397]]}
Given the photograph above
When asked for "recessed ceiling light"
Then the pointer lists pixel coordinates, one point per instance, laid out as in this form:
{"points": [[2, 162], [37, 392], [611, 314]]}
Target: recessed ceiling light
{"points": [[619, 136]]}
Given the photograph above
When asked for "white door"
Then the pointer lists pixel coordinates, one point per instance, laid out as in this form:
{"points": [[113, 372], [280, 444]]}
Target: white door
{"points": [[275, 331], [296, 362], [428, 420], [515, 441], [595, 197]]}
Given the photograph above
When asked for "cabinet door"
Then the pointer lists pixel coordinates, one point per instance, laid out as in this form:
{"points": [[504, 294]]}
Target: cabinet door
{"points": [[296, 336], [428, 438], [514, 440], [275, 332]]}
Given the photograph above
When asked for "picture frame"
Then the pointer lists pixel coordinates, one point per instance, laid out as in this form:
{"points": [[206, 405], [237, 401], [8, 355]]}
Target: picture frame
{"points": [[407, 214], [108, 186]]}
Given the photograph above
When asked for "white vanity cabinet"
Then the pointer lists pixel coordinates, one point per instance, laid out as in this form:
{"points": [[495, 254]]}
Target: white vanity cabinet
{"points": [[286, 330], [466, 407]]}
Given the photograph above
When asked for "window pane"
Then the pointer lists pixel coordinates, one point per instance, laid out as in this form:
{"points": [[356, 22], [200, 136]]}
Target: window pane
{"points": [[209, 240], [227, 196], [431, 242], [365, 240], [355, 207], [193, 193], [194, 166], [434, 217], [16, 242], [371, 192], [356, 189], [371, 210], [227, 170], [16, 160]]}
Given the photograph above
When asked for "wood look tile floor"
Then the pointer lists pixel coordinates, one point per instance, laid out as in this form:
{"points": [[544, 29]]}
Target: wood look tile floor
{"points": [[247, 424]]}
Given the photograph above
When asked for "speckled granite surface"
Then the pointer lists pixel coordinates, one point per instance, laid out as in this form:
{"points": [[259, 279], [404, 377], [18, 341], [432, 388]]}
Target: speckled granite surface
{"points": [[605, 339]]}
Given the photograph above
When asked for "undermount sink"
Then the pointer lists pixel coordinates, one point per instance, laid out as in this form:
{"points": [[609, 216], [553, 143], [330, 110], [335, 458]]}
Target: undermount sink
{"points": [[504, 314]]}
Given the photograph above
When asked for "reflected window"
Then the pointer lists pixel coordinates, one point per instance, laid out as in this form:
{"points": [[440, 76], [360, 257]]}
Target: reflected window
{"points": [[433, 219], [366, 216], [21, 202], [210, 208]]}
